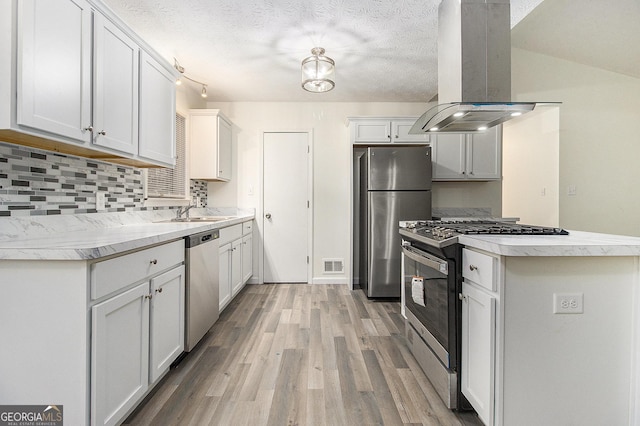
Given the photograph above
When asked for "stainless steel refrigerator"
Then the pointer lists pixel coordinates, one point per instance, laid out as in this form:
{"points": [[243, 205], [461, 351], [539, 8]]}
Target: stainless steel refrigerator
{"points": [[395, 185]]}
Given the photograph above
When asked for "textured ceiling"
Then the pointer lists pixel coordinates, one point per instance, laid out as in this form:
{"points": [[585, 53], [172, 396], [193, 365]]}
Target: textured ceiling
{"points": [[250, 50]]}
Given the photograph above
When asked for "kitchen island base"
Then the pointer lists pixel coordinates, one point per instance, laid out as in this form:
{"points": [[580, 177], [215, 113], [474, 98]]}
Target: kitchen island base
{"points": [[549, 367]]}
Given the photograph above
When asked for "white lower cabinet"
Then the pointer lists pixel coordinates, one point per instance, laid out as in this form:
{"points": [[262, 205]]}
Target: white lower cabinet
{"points": [[167, 324], [137, 332], [120, 354], [247, 257], [224, 259], [236, 260], [478, 343], [480, 294]]}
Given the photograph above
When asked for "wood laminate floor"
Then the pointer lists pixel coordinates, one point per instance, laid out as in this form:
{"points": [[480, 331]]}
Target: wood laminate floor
{"points": [[298, 354]]}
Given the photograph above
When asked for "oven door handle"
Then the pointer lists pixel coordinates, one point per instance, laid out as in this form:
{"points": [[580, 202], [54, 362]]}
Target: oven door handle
{"points": [[426, 259]]}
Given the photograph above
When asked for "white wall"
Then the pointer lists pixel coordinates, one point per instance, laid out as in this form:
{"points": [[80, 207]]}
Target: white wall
{"points": [[332, 168], [599, 139], [187, 97], [530, 167]]}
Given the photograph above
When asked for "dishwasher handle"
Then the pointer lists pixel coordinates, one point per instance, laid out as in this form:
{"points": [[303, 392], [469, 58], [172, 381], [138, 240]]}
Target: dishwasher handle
{"points": [[201, 238]]}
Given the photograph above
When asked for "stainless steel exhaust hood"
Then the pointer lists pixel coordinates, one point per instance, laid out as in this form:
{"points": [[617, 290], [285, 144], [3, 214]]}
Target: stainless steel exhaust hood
{"points": [[474, 68]]}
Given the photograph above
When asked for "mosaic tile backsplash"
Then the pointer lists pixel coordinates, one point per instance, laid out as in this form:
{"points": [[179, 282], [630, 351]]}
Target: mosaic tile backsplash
{"points": [[36, 182]]}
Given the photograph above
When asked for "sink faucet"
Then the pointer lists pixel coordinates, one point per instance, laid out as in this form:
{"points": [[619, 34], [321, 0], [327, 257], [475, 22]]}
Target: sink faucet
{"points": [[183, 210]]}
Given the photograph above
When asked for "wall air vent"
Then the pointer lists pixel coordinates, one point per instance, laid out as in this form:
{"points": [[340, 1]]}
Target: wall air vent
{"points": [[333, 266]]}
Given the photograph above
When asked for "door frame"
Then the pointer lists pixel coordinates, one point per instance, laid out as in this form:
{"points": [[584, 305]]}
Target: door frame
{"points": [[260, 213]]}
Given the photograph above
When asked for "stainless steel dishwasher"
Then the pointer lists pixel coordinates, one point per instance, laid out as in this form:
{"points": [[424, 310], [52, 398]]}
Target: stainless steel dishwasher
{"points": [[202, 285]]}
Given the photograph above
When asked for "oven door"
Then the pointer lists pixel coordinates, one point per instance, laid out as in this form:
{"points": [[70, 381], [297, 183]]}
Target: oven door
{"points": [[427, 300]]}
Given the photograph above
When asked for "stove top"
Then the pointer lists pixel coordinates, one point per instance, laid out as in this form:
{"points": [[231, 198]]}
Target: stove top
{"points": [[445, 232]]}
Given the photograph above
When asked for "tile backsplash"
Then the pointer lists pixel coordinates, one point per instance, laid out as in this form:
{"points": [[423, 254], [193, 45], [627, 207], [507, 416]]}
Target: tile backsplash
{"points": [[36, 182]]}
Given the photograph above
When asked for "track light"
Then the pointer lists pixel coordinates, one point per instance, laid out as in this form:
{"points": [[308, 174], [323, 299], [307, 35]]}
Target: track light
{"points": [[180, 69]]}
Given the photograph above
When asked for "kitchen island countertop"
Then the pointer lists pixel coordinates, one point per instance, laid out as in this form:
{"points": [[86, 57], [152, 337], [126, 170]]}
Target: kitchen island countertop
{"points": [[577, 243]]}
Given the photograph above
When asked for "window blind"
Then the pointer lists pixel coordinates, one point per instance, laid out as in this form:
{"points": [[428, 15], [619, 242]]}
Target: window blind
{"points": [[171, 183]]}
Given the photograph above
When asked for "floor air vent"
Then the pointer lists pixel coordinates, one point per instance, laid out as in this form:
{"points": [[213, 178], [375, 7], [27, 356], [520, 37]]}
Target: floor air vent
{"points": [[333, 266]]}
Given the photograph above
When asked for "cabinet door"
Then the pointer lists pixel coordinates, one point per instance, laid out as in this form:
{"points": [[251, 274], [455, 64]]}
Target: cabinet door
{"points": [[484, 158], [371, 131], [54, 67], [478, 350], [448, 154], [167, 321], [224, 150], [119, 354], [225, 274], [157, 112], [400, 132], [247, 258], [115, 87], [236, 266]]}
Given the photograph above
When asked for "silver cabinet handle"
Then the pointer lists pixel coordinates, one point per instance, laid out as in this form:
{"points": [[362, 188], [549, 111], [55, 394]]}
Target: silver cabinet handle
{"points": [[102, 132], [148, 296], [473, 268], [159, 290], [154, 262], [88, 129], [268, 215]]}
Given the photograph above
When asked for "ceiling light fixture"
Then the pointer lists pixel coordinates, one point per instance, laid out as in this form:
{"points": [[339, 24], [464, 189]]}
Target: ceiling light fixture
{"points": [[318, 72], [180, 69]]}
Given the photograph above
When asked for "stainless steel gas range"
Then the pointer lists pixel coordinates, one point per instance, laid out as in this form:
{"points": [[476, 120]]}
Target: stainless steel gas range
{"points": [[432, 281]]}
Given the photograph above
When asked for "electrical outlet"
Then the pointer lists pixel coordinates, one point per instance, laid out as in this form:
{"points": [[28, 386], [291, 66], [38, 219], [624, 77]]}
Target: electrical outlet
{"points": [[568, 303], [101, 200]]}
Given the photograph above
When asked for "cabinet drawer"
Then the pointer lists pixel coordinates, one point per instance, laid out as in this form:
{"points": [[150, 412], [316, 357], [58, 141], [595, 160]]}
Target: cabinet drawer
{"points": [[247, 227], [113, 274], [230, 233], [479, 268]]}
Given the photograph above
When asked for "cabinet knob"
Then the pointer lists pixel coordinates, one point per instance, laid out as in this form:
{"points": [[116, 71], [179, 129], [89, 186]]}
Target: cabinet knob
{"points": [[159, 290], [148, 296], [460, 296], [102, 132], [473, 268], [268, 215], [88, 129], [154, 262]]}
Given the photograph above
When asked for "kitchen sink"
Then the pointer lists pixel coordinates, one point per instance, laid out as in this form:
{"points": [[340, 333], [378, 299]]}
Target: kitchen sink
{"points": [[196, 219]]}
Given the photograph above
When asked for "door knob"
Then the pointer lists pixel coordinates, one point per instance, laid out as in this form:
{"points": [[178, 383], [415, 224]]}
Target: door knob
{"points": [[268, 215]]}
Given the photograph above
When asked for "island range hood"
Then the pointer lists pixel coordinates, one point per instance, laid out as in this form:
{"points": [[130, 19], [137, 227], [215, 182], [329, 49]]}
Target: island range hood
{"points": [[474, 69]]}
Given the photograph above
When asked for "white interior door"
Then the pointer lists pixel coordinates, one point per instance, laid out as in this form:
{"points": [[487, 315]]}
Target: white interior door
{"points": [[286, 207]]}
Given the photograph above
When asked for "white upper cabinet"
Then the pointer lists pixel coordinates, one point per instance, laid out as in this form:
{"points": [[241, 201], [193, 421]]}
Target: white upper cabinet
{"points": [[210, 145], [115, 87], [474, 156], [400, 131], [85, 84], [157, 123], [54, 67], [384, 130]]}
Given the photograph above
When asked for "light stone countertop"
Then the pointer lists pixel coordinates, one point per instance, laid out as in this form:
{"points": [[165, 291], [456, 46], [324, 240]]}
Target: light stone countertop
{"points": [[92, 236], [577, 243]]}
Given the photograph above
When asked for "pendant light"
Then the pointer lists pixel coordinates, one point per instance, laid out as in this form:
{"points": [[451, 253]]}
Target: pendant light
{"points": [[318, 72]]}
